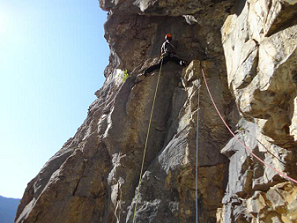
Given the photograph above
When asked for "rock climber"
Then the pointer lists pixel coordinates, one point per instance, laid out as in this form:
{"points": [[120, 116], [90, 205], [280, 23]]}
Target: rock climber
{"points": [[167, 54]]}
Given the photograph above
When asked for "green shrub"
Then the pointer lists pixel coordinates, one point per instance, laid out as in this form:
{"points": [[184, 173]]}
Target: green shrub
{"points": [[125, 75]]}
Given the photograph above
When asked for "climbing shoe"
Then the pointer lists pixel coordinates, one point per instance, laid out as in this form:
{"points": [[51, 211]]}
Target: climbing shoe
{"points": [[183, 63]]}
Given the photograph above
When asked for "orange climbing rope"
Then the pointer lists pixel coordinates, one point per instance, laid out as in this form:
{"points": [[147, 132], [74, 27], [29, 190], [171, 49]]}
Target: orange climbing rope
{"points": [[249, 150]]}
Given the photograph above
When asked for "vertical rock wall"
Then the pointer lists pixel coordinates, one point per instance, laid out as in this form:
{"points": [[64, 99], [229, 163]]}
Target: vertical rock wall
{"points": [[248, 52], [93, 178], [260, 41]]}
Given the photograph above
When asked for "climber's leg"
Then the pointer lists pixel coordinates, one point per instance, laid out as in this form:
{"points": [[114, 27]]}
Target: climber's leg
{"points": [[151, 69], [178, 60], [156, 66]]}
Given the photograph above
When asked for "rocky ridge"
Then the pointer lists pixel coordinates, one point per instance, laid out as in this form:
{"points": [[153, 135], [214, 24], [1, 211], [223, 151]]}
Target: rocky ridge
{"points": [[247, 49]]}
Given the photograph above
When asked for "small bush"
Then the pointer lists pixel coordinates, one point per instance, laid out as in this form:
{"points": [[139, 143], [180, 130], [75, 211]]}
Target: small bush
{"points": [[125, 75]]}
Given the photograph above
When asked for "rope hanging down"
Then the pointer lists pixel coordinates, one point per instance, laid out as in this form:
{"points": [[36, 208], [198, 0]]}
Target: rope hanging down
{"points": [[197, 146], [146, 141], [249, 150]]}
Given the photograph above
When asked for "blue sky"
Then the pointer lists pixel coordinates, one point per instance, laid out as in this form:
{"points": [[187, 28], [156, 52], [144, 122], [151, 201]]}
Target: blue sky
{"points": [[52, 58]]}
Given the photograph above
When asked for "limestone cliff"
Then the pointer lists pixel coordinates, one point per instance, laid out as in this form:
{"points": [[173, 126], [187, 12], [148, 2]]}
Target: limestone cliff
{"points": [[260, 42], [247, 49]]}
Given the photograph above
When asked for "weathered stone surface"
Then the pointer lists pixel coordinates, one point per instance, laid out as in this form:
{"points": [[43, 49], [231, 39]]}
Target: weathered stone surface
{"points": [[260, 49], [247, 174], [250, 67], [277, 205], [262, 69], [174, 165]]}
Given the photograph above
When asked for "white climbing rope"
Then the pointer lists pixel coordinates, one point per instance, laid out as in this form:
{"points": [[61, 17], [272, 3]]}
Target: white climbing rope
{"points": [[197, 146]]}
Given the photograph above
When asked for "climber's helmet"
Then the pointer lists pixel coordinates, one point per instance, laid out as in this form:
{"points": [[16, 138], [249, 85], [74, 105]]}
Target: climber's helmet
{"points": [[168, 36]]}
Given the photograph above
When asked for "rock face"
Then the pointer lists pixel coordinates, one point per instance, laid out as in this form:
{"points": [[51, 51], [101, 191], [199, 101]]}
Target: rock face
{"points": [[260, 42], [247, 50]]}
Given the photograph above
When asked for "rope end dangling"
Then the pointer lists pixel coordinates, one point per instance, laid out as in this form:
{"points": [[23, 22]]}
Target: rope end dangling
{"points": [[197, 148]]}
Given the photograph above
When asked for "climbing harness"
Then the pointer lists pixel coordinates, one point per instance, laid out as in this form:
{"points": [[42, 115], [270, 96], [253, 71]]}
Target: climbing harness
{"points": [[197, 146], [146, 141], [249, 150]]}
